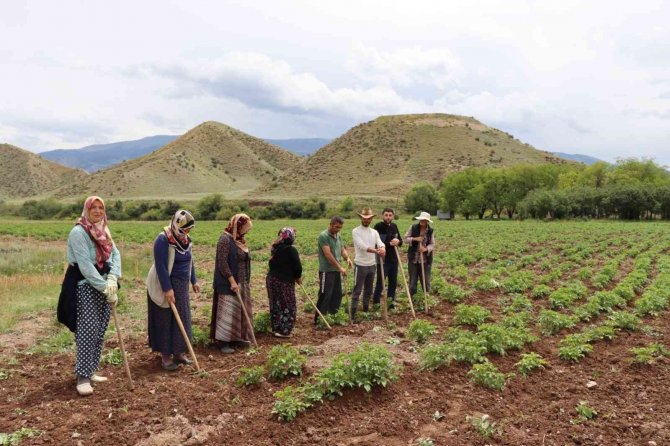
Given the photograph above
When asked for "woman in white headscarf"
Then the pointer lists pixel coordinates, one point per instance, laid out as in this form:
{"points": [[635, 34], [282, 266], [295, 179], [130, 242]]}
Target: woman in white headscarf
{"points": [[164, 334]]}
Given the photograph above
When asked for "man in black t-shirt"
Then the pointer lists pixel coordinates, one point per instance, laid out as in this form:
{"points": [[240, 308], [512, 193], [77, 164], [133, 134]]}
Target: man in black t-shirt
{"points": [[388, 232]]}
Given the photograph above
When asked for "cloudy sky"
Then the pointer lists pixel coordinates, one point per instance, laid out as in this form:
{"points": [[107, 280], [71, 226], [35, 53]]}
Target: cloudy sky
{"points": [[590, 77]]}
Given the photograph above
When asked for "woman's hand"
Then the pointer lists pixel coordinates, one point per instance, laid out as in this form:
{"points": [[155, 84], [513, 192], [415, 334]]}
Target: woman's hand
{"points": [[169, 297], [234, 286], [196, 287]]}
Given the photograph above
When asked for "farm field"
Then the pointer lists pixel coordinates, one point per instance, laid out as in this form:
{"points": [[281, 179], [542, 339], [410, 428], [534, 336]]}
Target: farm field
{"points": [[528, 340]]}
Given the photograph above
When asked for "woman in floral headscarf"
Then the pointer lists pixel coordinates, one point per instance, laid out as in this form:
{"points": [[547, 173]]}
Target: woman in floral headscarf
{"points": [[173, 243], [94, 267], [285, 271], [232, 273]]}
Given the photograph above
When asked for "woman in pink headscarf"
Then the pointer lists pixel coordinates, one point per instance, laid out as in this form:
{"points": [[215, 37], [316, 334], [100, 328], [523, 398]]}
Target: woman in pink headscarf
{"points": [[232, 274], [94, 268]]}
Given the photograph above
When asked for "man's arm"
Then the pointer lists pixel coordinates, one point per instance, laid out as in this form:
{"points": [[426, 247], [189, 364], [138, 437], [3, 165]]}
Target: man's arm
{"points": [[331, 259]]}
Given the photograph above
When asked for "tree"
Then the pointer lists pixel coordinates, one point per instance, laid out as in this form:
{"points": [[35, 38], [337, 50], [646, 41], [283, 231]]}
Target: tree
{"points": [[422, 197]]}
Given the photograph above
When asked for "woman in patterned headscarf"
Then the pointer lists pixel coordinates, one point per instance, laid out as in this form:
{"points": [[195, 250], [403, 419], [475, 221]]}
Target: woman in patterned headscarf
{"points": [[232, 273], [94, 267], [173, 243], [285, 272]]}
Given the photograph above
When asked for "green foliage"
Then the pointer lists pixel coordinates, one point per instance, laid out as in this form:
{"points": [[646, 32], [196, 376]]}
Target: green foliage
{"points": [[486, 374], [483, 425], [17, 437], [584, 412], [499, 339], [649, 354], [435, 356], [485, 283], [624, 320], [419, 331], [518, 303], [339, 318], [467, 347], [262, 322], [251, 375], [112, 357], [529, 362], [518, 282], [424, 442], [200, 336], [422, 197], [284, 360], [5, 374], [289, 403], [551, 322], [454, 293], [540, 291], [574, 352], [471, 315]]}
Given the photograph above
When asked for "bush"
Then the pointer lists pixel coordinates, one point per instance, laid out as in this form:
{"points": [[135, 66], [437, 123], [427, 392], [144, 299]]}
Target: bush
{"points": [[649, 354], [454, 293], [529, 362], [422, 197], [284, 360], [471, 315], [419, 331], [551, 322], [262, 322], [488, 375], [434, 356], [251, 375]]}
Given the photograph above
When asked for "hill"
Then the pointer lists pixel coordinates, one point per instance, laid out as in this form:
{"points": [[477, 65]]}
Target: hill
{"points": [[386, 156], [25, 174], [99, 156], [300, 146], [210, 158], [588, 160]]}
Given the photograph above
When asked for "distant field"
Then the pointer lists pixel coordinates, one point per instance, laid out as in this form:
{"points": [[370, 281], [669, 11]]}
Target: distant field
{"points": [[572, 298]]}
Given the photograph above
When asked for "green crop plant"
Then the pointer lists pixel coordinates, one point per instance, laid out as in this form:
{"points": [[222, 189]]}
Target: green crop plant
{"points": [[485, 283], [540, 291], [17, 437], [623, 320], [486, 374], [530, 362], [454, 293], [262, 322], [251, 375], [471, 315], [584, 412], [467, 347], [574, 352], [649, 354], [551, 322], [518, 282], [434, 356], [112, 357], [289, 403], [483, 425], [419, 331], [283, 361]]}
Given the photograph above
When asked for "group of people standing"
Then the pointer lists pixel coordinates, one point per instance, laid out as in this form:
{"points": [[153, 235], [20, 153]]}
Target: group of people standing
{"points": [[376, 254], [91, 282]]}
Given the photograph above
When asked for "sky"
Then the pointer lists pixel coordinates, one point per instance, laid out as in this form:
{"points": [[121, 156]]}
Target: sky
{"points": [[588, 77]]}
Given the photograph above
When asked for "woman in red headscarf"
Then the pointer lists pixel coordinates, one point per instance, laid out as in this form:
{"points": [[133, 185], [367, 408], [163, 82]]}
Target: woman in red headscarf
{"points": [[94, 267], [232, 274]]}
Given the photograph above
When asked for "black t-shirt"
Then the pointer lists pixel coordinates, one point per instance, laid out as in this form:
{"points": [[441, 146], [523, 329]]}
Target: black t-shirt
{"points": [[388, 233]]}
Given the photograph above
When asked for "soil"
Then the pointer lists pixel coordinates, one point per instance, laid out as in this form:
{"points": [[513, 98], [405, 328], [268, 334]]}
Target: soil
{"points": [[187, 408]]}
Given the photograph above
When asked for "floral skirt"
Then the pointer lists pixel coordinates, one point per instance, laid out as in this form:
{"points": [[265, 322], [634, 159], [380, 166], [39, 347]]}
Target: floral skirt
{"points": [[281, 296]]}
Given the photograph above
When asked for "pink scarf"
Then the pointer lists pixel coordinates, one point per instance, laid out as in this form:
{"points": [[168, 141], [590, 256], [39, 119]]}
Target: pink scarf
{"points": [[99, 233]]}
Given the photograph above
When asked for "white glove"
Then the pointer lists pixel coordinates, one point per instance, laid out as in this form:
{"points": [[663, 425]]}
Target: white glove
{"points": [[112, 299], [112, 285]]}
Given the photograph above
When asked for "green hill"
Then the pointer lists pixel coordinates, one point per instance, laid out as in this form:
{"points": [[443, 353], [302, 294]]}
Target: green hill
{"points": [[385, 157], [25, 174], [210, 158]]}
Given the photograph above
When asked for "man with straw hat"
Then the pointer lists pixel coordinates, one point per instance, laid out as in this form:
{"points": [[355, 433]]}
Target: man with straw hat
{"points": [[421, 243], [367, 245]]}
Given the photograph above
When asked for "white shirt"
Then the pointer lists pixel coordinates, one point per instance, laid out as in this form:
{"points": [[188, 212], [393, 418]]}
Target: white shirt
{"points": [[364, 238]]}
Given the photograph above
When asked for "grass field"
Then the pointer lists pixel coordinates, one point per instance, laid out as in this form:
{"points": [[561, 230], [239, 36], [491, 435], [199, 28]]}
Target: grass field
{"points": [[559, 302]]}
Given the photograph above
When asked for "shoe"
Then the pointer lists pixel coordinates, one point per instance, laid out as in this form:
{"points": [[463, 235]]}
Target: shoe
{"points": [[243, 344], [182, 360], [85, 389], [169, 366], [227, 349], [279, 335], [99, 378]]}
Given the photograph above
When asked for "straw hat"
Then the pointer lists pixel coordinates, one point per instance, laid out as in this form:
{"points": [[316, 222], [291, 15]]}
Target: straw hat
{"points": [[366, 212], [424, 216]]}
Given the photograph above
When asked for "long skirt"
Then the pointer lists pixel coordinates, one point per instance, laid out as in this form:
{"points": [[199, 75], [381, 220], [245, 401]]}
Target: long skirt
{"points": [[164, 333], [281, 296], [231, 326], [93, 313]]}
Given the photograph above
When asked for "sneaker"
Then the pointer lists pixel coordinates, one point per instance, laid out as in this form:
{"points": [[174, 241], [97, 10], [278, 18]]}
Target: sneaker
{"points": [[99, 378], [85, 388], [227, 349], [279, 335]]}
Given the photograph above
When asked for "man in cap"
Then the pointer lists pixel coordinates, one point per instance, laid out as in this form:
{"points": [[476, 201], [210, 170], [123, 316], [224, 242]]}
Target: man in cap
{"points": [[367, 245], [390, 235], [421, 245], [331, 252]]}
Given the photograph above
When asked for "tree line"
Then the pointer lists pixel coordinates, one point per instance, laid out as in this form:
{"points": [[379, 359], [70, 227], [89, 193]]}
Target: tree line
{"points": [[631, 189]]}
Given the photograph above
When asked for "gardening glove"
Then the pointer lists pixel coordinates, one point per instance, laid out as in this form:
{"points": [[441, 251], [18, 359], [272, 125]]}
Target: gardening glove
{"points": [[112, 285], [112, 299]]}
